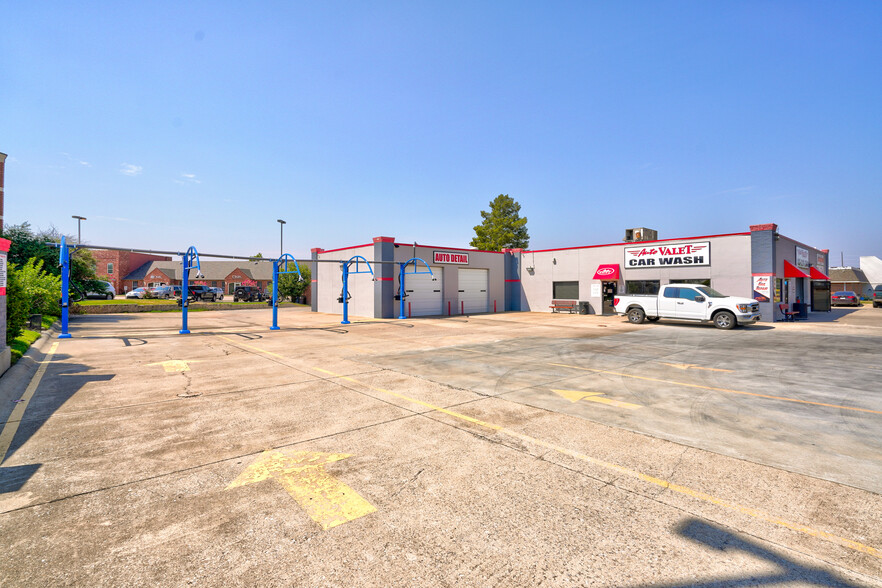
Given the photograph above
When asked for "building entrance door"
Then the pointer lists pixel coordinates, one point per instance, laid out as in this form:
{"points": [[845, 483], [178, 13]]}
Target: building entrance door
{"points": [[608, 291]]}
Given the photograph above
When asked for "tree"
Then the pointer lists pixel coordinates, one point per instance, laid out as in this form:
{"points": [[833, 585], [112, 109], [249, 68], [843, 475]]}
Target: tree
{"points": [[503, 227], [290, 286], [28, 244]]}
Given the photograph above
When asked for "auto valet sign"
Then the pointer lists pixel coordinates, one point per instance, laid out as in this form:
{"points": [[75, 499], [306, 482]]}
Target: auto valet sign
{"points": [[656, 256]]}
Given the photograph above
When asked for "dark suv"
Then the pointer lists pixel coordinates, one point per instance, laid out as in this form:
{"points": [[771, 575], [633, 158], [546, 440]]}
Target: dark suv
{"points": [[248, 294], [877, 297], [201, 293]]}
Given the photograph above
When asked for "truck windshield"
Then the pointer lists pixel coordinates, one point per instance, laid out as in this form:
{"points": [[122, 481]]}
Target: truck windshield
{"points": [[711, 293]]}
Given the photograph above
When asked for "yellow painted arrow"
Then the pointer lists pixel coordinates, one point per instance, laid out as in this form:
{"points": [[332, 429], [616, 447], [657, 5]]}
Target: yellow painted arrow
{"points": [[325, 499], [576, 396]]}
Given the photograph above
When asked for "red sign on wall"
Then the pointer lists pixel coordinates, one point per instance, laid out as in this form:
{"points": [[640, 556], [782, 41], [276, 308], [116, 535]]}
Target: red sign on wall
{"points": [[450, 257]]}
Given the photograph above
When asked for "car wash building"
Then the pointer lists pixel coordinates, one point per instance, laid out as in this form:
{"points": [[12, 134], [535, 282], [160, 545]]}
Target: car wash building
{"points": [[759, 263], [462, 281]]}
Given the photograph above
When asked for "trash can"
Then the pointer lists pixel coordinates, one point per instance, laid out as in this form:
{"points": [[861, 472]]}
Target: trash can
{"points": [[584, 307], [35, 322], [802, 309]]}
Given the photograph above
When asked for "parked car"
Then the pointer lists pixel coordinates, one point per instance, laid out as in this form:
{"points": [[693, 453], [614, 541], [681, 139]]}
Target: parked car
{"points": [[689, 302], [201, 293], [166, 292], [109, 292], [846, 297], [877, 296], [248, 294], [218, 293], [137, 293]]}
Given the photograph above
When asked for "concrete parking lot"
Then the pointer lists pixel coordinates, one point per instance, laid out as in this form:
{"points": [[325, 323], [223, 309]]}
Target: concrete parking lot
{"points": [[507, 449]]}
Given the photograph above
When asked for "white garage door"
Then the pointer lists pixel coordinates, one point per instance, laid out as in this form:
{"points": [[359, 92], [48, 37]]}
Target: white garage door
{"points": [[423, 293], [473, 295]]}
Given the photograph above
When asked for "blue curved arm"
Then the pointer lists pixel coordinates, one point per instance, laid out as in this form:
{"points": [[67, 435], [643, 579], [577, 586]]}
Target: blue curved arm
{"points": [[284, 259], [415, 271], [358, 259]]}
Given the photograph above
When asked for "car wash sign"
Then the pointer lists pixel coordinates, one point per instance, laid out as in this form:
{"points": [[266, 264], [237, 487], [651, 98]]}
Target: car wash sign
{"points": [[659, 256], [450, 257]]}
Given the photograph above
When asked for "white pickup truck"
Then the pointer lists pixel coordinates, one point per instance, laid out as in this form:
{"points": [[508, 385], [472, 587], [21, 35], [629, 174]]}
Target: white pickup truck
{"points": [[689, 302]]}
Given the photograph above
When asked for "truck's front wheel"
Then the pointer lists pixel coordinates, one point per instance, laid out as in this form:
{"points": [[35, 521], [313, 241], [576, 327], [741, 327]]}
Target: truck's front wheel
{"points": [[636, 315], [724, 320]]}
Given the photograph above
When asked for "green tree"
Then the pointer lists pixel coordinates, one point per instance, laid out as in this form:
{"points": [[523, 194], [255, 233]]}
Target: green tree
{"points": [[28, 244], [502, 227], [292, 287]]}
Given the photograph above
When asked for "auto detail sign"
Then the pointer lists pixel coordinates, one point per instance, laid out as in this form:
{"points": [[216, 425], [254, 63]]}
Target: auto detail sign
{"points": [[679, 255], [450, 257]]}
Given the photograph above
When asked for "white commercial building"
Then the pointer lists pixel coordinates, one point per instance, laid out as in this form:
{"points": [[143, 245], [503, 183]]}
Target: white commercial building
{"points": [[759, 263]]}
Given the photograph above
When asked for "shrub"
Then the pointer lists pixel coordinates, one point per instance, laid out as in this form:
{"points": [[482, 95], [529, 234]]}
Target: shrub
{"points": [[17, 305], [42, 289]]}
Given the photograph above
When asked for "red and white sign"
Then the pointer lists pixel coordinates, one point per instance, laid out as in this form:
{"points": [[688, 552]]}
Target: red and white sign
{"points": [[451, 257], [607, 271], [762, 288], [679, 255]]}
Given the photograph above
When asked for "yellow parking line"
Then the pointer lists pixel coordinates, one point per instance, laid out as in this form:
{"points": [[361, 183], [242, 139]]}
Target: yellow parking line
{"points": [[14, 419], [758, 514], [688, 385], [240, 344]]}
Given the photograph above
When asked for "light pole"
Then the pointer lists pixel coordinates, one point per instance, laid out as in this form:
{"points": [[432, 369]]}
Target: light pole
{"points": [[281, 236], [79, 220]]}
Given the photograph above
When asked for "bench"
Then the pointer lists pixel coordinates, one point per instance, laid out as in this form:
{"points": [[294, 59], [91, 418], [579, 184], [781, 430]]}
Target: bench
{"points": [[789, 315], [561, 305]]}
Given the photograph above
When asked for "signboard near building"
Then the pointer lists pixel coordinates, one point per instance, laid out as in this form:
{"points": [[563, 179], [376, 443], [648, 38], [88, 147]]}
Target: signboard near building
{"points": [[762, 288], [661, 256], [450, 257], [802, 258]]}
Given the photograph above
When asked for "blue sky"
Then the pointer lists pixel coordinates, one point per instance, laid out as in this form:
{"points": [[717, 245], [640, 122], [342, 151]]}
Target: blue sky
{"points": [[170, 124]]}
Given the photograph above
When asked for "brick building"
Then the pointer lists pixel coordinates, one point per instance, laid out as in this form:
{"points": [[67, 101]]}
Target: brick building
{"points": [[115, 266]]}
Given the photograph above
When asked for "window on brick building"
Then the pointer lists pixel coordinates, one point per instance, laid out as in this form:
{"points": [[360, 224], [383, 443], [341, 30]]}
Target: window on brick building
{"points": [[109, 268]]}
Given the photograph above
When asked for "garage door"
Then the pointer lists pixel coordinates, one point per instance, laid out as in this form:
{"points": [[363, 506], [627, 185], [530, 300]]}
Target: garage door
{"points": [[423, 293], [473, 296]]}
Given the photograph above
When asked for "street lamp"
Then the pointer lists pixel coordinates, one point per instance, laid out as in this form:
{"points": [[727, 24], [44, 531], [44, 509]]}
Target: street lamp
{"points": [[281, 236], [79, 220]]}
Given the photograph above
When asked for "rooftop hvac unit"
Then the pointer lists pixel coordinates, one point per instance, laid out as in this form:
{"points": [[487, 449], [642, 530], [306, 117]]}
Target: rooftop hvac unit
{"points": [[640, 234]]}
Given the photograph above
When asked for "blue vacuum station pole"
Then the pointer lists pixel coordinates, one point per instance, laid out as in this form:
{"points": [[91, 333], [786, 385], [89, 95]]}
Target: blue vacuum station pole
{"points": [[345, 320], [275, 326], [185, 300], [401, 289], [190, 261], [64, 261]]}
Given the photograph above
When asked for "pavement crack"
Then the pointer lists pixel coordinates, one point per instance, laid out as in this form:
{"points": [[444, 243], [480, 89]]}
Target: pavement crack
{"points": [[408, 483]]}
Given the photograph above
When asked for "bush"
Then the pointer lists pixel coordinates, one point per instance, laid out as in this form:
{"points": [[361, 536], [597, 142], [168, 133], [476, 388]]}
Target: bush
{"points": [[29, 290], [17, 305], [42, 288]]}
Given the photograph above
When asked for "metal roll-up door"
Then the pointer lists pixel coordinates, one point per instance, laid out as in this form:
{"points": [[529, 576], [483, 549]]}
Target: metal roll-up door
{"points": [[473, 290], [424, 294]]}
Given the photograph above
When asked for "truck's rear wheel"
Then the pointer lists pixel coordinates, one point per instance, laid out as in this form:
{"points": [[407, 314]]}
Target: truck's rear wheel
{"points": [[636, 315], [724, 320]]}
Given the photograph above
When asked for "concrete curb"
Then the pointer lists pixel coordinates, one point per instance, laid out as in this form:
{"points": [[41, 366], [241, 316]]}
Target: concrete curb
{"points": [[15, 380]]}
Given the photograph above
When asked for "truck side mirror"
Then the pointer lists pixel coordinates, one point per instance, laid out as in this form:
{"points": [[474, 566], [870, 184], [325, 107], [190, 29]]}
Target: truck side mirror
{"points": [[699, 298]]}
